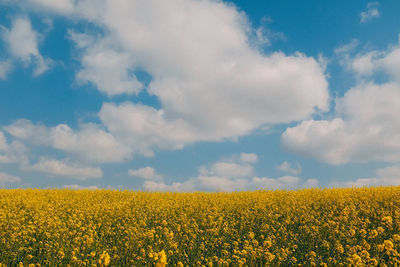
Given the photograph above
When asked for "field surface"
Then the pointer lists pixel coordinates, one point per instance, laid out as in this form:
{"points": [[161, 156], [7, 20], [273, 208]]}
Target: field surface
{"points": [[330, 227]]}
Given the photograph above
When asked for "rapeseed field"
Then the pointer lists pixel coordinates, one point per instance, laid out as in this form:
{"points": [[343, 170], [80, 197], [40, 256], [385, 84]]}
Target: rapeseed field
{"points": [[312, 227]]}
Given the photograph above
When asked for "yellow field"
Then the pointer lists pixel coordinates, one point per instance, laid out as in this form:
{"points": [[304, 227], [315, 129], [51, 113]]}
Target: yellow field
{"points": [[335, 227]]}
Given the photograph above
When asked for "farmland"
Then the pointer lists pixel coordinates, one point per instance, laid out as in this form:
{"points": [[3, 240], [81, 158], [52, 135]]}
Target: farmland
{"points": [[311, 227]]}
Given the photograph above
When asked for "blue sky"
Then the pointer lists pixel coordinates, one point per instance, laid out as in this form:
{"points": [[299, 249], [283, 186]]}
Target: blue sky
{"points": [[187, 95]]}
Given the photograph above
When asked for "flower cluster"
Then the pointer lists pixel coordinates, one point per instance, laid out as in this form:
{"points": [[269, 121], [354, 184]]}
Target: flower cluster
{"points": [[312, 227]]}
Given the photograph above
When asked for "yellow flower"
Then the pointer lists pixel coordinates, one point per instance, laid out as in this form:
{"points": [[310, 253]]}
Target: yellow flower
{"points": [[162, 261], [340, 249], [387, 220], [251, 235], [352, 232], [388, 244], [104, 259]]}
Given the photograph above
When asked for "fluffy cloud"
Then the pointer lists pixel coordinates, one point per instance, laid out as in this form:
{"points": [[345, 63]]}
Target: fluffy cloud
{"points": [[225, 184], [147, 173], [5, 68], [228, 169], [22, 42], [367, 126], [212, 83], [368, 131], [388, 176], [80, 187], [12, 152], [232, 174], [53, 168], [107, 68], [287, 167], [8, 179], [144, 128], [60, 6], [3, 141], [371, 13], [248, 157], [89, 143], [371, 62]]}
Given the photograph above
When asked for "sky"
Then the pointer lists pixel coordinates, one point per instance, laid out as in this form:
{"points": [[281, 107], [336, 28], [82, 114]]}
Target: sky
{"points": [[199, 95]]}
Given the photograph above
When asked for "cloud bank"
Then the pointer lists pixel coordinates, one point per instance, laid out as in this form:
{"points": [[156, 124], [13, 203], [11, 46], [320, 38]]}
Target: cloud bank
{"points": [[212, 83], [235, 173], [367, 126]]}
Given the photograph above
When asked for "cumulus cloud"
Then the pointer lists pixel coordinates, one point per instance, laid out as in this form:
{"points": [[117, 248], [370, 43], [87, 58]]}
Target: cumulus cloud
{"points": [[3, 141], [287, 167], [81, 187], [12, 152], [22, 42], [8, 179], [64, 168], [211, 82], [89, 143], [367, 125], [60, 6], [228, 169], [147, 173], [231, 174], [366, 64], [248, 157], [106, 67], [5, 68], [225, 184], [346, 48], [388, 176], [371, 13]]}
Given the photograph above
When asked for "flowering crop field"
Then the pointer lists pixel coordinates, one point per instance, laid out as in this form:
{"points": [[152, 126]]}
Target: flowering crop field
{"points": [[312, 227]]}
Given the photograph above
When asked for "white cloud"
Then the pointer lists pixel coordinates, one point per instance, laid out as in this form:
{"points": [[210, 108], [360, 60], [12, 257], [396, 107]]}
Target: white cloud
{"points": [[311, 183], [12, 152], [287, 167], [187, 186], [144, 128], [211, 82], [236, 166], [81, 187], [59, 6], [26, 130], [147, 173], [106, 67], [366, 64], [248, 157], [367, 125], [232, 174], [3, 141], [371, 13], [5, 68], [89, 143], [346, 48], [388, 176], [228, 169], [22, 42], [369, 129], [8, 179], [54, 168], [225, 184]]}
